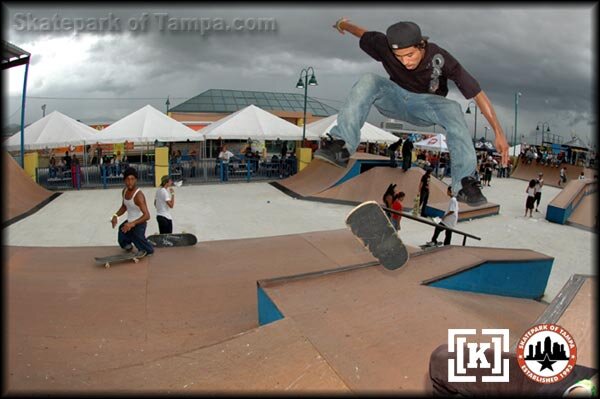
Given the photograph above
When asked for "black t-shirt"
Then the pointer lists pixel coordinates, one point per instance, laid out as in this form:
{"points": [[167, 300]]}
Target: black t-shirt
{"points": [[425, 180], [418, 80], [407, 148]]}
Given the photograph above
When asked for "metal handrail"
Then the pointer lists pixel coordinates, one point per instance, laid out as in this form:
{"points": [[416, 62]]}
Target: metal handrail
{"points": [[425, 221]]}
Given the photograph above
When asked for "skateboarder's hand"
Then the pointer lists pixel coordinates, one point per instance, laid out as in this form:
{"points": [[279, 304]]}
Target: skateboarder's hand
{"points": [[127, 227], [114, 221], [337, 25], [502, 147]]}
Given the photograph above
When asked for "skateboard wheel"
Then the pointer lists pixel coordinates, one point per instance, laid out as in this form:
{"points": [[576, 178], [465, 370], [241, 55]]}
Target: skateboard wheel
{"points": [[136, 260], [107, 265]]}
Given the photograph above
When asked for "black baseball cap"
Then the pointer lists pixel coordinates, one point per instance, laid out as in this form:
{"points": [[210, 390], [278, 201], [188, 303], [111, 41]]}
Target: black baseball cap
{"points": [[404, 34]]}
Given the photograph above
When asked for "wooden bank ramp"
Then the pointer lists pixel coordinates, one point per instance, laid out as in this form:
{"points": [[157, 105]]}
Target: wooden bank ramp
{"points": [[524, 171], [22, 196], [320, 175], [187, 319]]}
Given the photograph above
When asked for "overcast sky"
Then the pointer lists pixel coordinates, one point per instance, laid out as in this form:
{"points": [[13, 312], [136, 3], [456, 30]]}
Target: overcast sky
{"points": [[546, 53]]}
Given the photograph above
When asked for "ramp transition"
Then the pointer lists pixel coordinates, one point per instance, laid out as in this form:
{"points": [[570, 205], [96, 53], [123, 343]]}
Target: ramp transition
{"points": [[22, 196]]}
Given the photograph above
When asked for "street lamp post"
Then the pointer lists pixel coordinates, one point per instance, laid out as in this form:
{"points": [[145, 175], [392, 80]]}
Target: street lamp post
{"points": [[167, 103], [485, 133], [304, 85], [517, 95], [537, 129], [468, 111]]}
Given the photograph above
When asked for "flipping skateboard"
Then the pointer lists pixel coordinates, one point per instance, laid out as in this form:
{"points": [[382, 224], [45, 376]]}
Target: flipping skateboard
{"points": [[108, 260], [372, 227], [172, 240]]}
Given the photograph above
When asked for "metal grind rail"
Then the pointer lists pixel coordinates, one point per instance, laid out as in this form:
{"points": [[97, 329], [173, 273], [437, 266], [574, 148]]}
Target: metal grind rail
{"points": [[425, 221]]}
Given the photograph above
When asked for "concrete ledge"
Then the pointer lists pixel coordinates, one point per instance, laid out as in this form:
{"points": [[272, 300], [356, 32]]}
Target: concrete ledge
{"points": [[465, 212], [562, 206]]}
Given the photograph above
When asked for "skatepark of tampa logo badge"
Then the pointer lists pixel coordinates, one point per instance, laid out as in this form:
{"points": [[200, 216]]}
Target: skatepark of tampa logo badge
{"points": [[547, 353]]}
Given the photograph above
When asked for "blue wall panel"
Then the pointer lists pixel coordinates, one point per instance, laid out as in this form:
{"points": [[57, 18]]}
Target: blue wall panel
{"points": [[526, 279], [267, 311]]}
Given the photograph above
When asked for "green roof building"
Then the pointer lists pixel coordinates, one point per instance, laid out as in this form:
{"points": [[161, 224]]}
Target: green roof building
{"points": [[215, 104]]}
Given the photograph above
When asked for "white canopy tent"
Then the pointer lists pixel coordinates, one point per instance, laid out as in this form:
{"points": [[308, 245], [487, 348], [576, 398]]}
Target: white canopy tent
{"points": [[515, 150], [368, 133], [53, 130], [147, 125], [435, 143], [257, 124]]}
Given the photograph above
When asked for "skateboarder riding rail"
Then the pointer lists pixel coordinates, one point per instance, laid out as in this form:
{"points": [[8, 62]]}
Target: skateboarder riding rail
{"points": [[415, 92]]}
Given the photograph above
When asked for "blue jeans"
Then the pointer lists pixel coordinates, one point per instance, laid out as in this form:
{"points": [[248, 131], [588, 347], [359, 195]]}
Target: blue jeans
{"points": [[135, 236], [395, 102], [224, 170]]}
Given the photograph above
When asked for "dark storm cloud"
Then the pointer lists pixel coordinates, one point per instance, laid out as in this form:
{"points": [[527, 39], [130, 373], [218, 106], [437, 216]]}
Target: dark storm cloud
{"points": [[543, 52]]}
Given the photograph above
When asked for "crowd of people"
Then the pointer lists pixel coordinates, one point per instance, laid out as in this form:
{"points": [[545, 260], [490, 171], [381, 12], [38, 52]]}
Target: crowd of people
{"points": [[541, 155], [284, 164]]}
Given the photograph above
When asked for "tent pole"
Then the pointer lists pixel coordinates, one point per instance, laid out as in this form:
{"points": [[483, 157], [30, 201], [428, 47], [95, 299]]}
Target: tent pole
{"points": [[85, 163], [23, 115]]}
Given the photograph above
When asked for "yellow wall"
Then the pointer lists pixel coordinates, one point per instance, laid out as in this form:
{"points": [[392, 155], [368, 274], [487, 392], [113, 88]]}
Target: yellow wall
{"points": [[161, 164], [304, 156], [31, 162]]}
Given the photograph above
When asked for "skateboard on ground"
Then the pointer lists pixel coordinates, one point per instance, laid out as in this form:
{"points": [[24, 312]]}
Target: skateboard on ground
{"points": [[108, 260], [372, 227], [172, 240]]}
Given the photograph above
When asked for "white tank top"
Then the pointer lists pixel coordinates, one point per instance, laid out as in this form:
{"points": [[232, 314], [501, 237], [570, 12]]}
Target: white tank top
{"points": [[133, 211]]}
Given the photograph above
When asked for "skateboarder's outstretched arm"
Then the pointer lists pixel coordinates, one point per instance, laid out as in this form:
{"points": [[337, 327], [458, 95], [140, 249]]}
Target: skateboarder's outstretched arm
{"points": [[344, 25], [484, 104]]}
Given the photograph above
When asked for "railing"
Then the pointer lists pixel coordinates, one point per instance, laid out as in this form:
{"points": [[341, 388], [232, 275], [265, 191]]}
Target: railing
{"points": [[425, 221], [200, 171]]}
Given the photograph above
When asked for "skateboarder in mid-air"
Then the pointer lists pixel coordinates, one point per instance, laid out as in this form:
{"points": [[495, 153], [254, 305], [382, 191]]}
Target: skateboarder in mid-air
{"points": [[133, 230], [415, 93]]}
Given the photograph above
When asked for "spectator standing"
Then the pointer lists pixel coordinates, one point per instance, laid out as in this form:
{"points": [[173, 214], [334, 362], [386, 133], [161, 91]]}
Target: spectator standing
{"points": [[538, 190], [76, 172], [530, 197], [424, 191], [224, 156], [67, 159], [163, 202], [52, 166], [397, 206], [563, 176], [407, 148], [392, 150]]}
